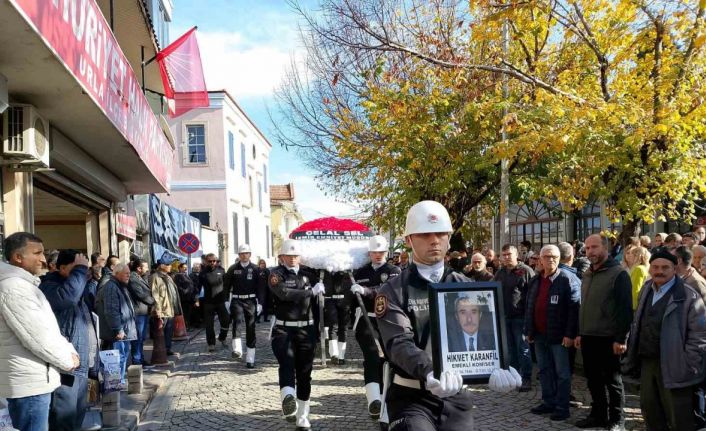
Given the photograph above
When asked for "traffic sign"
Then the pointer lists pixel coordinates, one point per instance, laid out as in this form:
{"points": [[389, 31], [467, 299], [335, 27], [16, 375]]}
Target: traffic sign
{"points": [[189, 243]]}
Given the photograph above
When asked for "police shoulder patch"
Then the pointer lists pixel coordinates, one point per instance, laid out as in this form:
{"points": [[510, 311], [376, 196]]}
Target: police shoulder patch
{"points": [[383, 277], [380, 305], [274, 279]]}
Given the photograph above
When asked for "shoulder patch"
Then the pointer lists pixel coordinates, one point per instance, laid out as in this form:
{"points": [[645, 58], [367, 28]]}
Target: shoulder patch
{"points": [[274, 279], [380, 306]]}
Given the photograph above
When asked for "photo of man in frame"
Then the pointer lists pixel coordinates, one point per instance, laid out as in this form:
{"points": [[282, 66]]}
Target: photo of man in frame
{"points": [[469, 322]]}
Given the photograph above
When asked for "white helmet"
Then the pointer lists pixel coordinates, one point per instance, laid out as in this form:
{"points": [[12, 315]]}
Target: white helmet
{"points": [[245, 248], [427, 217], [377, 243], [290, 247]]}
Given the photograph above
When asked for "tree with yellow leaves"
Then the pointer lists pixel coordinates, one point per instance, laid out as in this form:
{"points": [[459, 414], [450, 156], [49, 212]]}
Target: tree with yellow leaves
{"points": [[606, 98]]}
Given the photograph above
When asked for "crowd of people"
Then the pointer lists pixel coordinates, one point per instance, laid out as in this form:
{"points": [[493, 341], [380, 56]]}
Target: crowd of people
{"points": [[631, 309], [635, 309], [59, 309]]}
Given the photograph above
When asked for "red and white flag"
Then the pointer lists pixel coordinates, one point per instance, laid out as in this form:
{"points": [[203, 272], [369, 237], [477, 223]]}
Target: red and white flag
{"points": [[182, 75]]}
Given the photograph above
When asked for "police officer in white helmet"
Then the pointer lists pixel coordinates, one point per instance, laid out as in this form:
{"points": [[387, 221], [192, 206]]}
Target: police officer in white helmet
{"points": [[369, 279], [417, 400], [294, 333], [247, 296]]}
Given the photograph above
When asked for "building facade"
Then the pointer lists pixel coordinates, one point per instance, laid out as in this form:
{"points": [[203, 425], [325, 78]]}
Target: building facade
{"points": [[79, 136], [285, 214], [220, 176]]}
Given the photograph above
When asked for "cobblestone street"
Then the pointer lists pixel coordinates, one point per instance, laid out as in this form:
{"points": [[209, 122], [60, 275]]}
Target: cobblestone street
{"points": [[211, 391]]}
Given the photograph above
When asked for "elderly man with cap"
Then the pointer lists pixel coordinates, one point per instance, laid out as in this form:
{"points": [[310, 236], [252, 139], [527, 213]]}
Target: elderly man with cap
{"points": [[417, 400], [247, 296], [666, 347], [368, 280], [166, 299], [294, 333]]}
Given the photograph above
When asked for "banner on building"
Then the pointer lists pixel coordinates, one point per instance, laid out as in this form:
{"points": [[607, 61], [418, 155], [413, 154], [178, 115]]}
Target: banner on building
{"points": [[167, 225], [78, 34]]}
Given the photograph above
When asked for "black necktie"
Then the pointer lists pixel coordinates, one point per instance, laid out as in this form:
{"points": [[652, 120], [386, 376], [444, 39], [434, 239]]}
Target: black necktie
{"points": [[471, 346]]}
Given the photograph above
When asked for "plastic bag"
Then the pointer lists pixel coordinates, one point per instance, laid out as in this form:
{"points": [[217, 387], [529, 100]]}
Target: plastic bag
{"points": [[5, 420], [110, 370]]}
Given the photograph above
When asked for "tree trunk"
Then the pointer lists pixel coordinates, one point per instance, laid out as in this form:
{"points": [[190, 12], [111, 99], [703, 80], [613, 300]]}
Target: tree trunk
{"points": [[457, 242], [631, 229]]}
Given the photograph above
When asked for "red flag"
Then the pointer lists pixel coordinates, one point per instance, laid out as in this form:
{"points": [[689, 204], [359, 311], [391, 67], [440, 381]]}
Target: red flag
{"points": [[182, 75]]}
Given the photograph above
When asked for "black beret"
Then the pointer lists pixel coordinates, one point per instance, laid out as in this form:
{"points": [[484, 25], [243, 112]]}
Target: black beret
{"points": [[664, 255]]}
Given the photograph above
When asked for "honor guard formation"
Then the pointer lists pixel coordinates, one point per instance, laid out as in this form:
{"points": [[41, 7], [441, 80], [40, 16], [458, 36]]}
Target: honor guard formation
{"points": [[640, 315]]}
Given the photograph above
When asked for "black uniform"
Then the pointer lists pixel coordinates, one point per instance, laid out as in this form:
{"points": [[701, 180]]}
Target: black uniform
{"points": [[247, 291], [268, 307], [337, 304], [215, 296], [294, 333], [371, 279], [402, 311]]}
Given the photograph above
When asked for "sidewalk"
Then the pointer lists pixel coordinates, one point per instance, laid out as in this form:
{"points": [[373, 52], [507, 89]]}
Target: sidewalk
{"points": [[132, 406]]}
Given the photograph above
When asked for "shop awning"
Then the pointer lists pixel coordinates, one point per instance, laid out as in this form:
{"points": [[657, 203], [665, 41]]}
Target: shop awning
{"points": [[75, 74]]}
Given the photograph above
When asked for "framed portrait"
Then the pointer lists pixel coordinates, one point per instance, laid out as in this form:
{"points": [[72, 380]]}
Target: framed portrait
{"points": [[468, 329]]}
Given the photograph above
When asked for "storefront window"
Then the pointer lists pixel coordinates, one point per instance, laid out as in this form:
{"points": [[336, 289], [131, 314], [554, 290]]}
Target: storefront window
{"points": [[536, 222], [588, 221]]}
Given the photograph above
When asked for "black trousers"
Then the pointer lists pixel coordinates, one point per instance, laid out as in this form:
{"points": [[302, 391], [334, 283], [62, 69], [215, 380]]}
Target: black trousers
{"points": [[244, 310], [294, 350], [602, 369], [664, 409], [210, 311], [336, 313], [417, 410], [372, 362]]}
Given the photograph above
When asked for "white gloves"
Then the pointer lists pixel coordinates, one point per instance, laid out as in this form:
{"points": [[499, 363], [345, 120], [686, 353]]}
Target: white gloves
{"points": [[357, 288], [449, 383], [259, 309], [504, 380], [318, 288]]}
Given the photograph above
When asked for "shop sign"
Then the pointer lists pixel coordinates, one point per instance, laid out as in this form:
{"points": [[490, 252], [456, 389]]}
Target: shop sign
{"points": [[78, 34], [126, 225]]}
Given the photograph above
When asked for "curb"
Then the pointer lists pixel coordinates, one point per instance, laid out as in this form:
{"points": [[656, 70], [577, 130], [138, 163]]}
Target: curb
{"points": [[132, 406]]}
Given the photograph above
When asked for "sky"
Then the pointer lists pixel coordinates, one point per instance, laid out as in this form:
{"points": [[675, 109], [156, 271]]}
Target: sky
{"points": [[245, 49]]}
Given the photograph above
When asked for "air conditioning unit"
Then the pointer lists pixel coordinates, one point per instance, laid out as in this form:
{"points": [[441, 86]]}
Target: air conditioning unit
{"points": [[25, 137]]}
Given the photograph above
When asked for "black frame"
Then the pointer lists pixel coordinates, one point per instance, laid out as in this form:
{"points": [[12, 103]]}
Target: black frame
{"points": [[441, 288]]}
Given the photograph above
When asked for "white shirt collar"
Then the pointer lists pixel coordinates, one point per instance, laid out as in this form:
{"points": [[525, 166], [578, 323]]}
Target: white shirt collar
{"points": [[427, 270], [244, 264], [295, 269], [377, 265]]}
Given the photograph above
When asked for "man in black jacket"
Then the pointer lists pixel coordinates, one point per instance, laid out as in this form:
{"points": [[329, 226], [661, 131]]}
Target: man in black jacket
{"points": [[244, 283], [142, 300], [187, 292], [294, 333], [551, 323], [368, 280], [212, 280], [604, 322], [514, 277]]}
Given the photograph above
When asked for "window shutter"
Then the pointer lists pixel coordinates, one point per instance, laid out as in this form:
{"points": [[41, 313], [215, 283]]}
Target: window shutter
{"points": [[242, 159]]}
